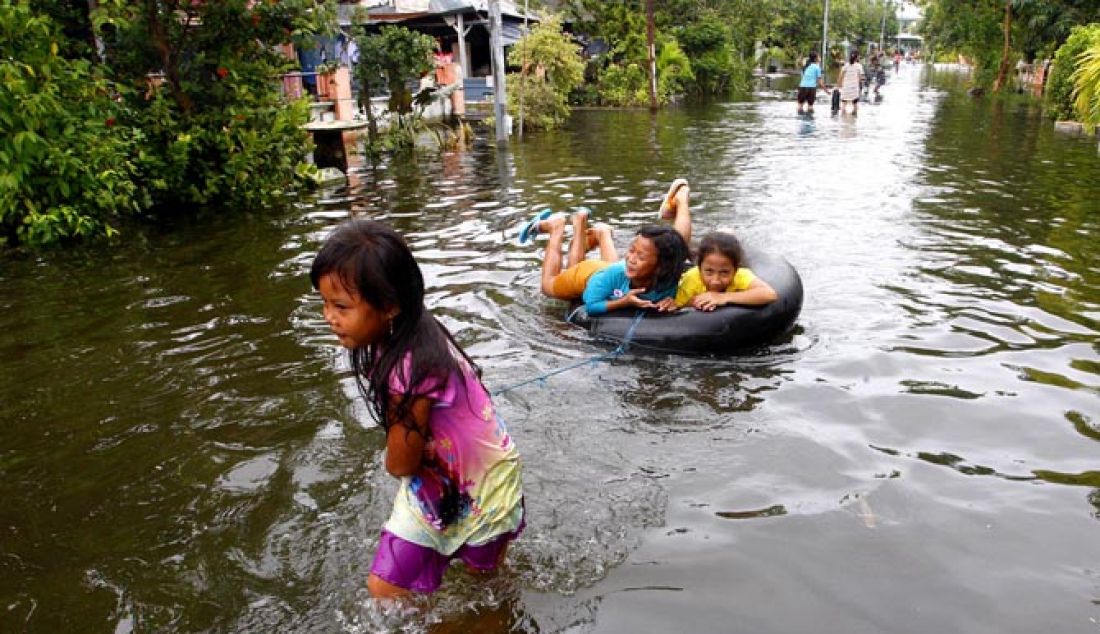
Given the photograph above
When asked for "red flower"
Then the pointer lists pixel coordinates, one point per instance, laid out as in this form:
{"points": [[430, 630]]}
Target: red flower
{"points": [[222, 71], [110, 122], [255, 18]]}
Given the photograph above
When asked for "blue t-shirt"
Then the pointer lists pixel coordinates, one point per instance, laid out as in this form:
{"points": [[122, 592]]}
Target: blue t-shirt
{"points": [[611, 283], [810, 75]]}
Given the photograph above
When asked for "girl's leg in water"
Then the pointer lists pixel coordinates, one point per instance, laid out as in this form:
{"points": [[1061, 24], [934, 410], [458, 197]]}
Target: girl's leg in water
{"points": [[552, 260], [380, 589]]}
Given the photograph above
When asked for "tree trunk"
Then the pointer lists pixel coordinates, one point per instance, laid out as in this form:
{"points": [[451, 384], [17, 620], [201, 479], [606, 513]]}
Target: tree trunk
{"points": [[1006, 26], [651, 46], [372, 125], [159, 34]]}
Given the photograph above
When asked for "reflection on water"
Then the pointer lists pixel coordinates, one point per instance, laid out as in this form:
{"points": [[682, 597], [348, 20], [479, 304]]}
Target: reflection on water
{"points": [[183, 447]]}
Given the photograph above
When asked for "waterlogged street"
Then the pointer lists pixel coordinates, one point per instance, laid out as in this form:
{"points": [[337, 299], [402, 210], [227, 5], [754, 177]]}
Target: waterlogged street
{"points": [[182, 447]]}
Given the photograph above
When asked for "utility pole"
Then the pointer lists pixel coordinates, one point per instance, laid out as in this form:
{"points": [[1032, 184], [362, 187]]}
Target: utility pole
{"points": [[496, 42], [652, 47], [523, 71], [882, 33], [825, 38]]}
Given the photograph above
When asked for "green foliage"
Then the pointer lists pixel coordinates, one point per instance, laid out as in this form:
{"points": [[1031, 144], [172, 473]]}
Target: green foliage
{"points": [[674, 72], [544, 108], [1086, 80], [551, 68], [65, 166], [1060, 84], [203, 91], [548, 49], [708, 44], [624, 86], [393, 58], [621, 24], [972, 29]]}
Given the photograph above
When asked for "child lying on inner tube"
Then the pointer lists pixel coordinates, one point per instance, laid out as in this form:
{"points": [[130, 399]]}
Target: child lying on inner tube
{"points": [[645, 278], [718, 278]]}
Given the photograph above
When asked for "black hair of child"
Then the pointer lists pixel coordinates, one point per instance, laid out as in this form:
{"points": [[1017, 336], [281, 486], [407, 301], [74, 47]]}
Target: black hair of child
{"points": [[810, 60], [723, 243], [373, 260], [672, 252]]}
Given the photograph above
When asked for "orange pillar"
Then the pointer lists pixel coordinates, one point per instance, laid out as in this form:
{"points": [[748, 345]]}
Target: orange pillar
{"points": [[341, 94]]}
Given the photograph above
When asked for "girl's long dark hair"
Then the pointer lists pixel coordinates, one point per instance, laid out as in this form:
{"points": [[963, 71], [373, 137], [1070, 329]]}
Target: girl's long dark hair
{"points": [[373, 260], [724, 243], [672, 251], [810, 60]]}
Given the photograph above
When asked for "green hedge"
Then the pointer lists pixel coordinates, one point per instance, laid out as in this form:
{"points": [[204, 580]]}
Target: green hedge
{"points": [[1059, 95]]}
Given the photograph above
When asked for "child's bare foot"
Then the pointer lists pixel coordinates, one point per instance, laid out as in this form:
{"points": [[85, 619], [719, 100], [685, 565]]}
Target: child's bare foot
{"points": [[669, 202], [595, 233], [553, 224], [579, 218]]}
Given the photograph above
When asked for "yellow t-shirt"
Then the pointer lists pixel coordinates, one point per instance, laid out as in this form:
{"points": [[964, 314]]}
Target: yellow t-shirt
{"points": [[691, 284]]}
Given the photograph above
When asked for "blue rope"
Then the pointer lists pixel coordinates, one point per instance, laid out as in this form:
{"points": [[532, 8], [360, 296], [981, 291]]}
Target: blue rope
{"points": [[541, 379]]}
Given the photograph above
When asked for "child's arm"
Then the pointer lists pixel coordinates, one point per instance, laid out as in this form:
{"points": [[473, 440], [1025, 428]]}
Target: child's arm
{"points": [[631, 299], [601, 287], [758, 293], [405, 438]]}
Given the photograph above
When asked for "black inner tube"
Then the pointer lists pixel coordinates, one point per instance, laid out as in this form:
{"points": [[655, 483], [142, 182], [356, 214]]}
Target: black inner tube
{"points": [[721, 331]]}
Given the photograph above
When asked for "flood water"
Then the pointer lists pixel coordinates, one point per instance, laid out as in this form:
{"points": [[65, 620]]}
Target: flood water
{"points": [[182, 449]]}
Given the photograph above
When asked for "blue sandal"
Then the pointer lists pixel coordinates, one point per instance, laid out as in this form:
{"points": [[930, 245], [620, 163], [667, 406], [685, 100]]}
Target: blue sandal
{"points": [[531, 229]]}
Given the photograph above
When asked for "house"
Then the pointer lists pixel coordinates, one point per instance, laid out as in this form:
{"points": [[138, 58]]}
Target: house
{"points": [[908, 16], [461, 28]]}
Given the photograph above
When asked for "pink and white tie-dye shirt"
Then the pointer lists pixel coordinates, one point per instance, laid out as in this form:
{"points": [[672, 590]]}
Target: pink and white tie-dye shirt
{"points": [[468, 488]]}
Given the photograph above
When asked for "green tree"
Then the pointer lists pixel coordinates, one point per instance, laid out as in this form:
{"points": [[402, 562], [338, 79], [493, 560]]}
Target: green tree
{"points": [[550, 69], [970, 28], [394, 57], [993, 33], [65, 160], [202, 86], [1059, 99], [707, 42], [1086, 79]]}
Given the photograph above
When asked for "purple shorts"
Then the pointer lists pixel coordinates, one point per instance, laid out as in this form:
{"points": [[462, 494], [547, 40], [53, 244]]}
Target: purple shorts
{"points": [[420, 569]]}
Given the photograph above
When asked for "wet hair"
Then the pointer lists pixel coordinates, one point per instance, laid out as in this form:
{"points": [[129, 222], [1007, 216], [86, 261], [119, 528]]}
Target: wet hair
{"points": [[812, 59], [722, 243], [672, 252], [854, 57], [371, 259]]}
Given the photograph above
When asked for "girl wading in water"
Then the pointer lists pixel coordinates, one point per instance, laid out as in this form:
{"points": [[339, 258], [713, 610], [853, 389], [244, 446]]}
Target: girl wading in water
{"points": [[460, 495]]}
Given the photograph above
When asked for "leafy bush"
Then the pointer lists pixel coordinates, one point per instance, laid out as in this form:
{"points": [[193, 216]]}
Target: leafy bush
{"points": [[674, 71], [551, 68], [204, 93], [1059, 97], [65, 166], [1086, 80], [624, 86], [707, 42], [543, 107], [393, 58]]}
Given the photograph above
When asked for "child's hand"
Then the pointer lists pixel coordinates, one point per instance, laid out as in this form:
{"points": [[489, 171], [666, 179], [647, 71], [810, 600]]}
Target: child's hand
{"points": [[632, 298], [707, 301], [666, 305]]}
